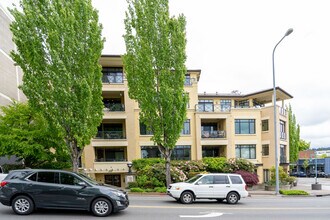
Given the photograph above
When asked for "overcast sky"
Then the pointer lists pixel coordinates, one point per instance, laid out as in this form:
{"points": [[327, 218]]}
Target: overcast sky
{"points": [[232, 41]]}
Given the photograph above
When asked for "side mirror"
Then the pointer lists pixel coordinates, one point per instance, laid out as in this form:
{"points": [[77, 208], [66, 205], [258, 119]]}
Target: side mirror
{"points": [[199, 183], [82, 184]]}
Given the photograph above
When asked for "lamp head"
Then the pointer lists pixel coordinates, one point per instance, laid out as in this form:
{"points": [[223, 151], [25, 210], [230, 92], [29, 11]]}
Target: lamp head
{"points": [[129, 164], [288, 32]]}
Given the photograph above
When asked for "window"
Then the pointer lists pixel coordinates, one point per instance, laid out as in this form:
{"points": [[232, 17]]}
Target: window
{"points": [[187, 80], [264, 125], [282, 130], [265, 150], [68, 179], [186, 127], [245, 126], [144, 130], [210, 151], [246, 151], [112, 75], [109, 154], [235, 180], [206, 180], [205, 105], [180, 152], [225, 105], [221, 179], [47, 177]]}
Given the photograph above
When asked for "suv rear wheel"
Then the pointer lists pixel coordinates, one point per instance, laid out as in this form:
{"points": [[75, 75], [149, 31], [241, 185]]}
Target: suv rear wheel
{"points": [[187, 197], [232, 198], [22, 205]]}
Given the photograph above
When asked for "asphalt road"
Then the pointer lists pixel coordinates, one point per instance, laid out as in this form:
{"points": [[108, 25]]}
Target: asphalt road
{"points": [[164, 207]]}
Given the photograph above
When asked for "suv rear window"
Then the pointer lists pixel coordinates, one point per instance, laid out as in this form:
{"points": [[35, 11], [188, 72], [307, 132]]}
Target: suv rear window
{"points": [[221, 179], [17, 174], [235, 180]]}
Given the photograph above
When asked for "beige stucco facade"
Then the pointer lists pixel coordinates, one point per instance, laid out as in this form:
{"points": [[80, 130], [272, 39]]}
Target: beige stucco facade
{"points": [[10, 75], [227, 125]]}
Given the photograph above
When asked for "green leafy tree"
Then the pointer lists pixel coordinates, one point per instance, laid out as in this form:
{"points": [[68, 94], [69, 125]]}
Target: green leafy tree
{"points": [[59, 44], [305, 165], [296, 144], [155, 70], [27, 135]]}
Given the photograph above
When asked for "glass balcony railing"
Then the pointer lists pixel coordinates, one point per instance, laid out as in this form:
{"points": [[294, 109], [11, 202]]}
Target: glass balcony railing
{"points": [[114, 107], [113, 78], [213, 134], [283, 159], [212, 108], [110, 135]]}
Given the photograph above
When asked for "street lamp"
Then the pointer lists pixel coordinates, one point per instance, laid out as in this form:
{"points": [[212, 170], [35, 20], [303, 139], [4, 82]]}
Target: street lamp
{"points": [[129, 165], [277, 187]]}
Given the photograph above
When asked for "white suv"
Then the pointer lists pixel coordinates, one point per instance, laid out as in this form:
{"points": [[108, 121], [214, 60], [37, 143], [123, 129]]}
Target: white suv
{"points": [[219, 186]]}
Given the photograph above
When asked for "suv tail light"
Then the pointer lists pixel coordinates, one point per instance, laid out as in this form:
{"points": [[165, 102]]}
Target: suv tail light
{"points": [[3, 183]]}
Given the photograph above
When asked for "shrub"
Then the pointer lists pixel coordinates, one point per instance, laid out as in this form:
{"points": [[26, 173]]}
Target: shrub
{"points": [[216, 164], [249, 178], [283, 176], [240, 164], [133, 185], [160, 189], [293, 192], [140, 164], [137, 190], [177, 175]]}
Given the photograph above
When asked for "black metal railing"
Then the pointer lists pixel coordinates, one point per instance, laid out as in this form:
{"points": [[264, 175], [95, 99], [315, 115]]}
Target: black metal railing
{"points": [[113, 78], [114, 107], [212, 108], [283, 159]]}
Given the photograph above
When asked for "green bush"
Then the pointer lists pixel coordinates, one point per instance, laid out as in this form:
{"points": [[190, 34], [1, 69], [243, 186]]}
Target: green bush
{"points": [[140, 164], [293, 192], [133, 185], [216, 164], [137, 190], [240, 164], [160, 189]]}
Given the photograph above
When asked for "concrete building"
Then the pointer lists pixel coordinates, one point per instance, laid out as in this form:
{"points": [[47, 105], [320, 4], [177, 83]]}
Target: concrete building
{"points": [[10, 75], [228, 125]]}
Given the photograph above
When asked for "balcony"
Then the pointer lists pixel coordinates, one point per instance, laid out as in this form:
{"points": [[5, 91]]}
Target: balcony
{"points": [[113, 78], [114, 107], [212, 108], [214, 134], [282, 135], [283, 159], [110, 135]]}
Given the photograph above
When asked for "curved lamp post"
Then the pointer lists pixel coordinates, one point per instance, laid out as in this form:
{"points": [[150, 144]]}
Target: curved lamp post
{"points": [[277, 187]]}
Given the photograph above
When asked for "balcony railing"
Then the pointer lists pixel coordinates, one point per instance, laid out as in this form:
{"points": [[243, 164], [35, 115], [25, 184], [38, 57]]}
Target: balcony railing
{"points": [[189, 81], [282, 135], [283, 159], [110, 135], [114, 107], [282, 111], [113, 78], [212, 108], [213, 134], [110, 159]]}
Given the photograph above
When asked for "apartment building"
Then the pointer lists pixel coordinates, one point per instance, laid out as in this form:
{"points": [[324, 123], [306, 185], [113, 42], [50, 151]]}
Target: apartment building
{"points": [[230, 125], [10, 75]]}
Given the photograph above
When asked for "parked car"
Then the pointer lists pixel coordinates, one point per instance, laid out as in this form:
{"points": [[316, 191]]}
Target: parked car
{"points": [[29, 189], [229, 187], [319, 174], [299, 174], [2, 174]]}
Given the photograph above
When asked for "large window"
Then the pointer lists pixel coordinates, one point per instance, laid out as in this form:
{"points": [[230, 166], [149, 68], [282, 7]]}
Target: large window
{"points": [[144, 130], [180, 152], [264, 125], [242, 104], [112, 75], [225, 105], [205, 105], [265, 150], [210, 151], [186, 127], [245, 126], [103, 154], [246, 151], [282, 130], [187, 80]]}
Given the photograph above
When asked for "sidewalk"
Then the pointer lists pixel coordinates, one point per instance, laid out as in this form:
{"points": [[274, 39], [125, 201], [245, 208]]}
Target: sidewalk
{"points": [[303, 184]]}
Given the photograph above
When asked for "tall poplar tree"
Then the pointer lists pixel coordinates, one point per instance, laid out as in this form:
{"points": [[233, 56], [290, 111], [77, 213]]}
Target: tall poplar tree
{"points": [[59, 44], [155, 70]]}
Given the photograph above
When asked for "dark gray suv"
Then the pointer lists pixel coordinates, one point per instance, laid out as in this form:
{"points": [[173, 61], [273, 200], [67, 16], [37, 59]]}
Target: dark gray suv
{"points": [[29, 189]]}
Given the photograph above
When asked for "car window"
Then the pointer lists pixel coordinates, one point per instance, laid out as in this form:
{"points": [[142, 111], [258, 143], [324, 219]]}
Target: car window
{"points": [[235, 180], [68, 179], [17, 174], [221, 179], [206, 180], [47, 177]]}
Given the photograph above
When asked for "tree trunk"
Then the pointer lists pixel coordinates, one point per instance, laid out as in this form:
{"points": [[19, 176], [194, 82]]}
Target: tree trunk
{"points": [[75, 154], [168, 171]]}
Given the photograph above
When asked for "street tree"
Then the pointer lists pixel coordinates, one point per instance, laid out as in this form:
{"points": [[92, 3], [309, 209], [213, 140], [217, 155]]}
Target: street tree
{"points": [[296, 144], [155, 70], [59, 44], [27, 135]]}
